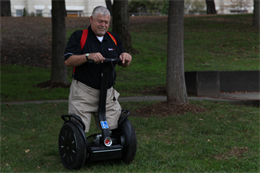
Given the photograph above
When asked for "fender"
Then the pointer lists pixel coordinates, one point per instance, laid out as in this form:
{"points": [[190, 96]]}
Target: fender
{"points": [[78, 125], [125, 126]]}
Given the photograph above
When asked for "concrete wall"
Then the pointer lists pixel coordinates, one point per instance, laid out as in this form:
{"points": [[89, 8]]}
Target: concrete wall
{"points": [[239, 81], [211, 83], [202, 83]]}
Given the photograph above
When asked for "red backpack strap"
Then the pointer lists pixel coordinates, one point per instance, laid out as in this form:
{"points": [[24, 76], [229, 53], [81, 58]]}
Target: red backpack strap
{"points": [[112, 37], [83, 40], [84, 37]]}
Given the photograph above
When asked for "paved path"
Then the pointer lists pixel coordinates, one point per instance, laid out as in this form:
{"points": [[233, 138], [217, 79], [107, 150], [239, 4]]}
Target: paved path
{"points": [[236, 98], [242, 96]]}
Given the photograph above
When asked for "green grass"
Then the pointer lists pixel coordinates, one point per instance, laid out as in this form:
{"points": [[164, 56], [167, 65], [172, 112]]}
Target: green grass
{"points": [[223, 43], [19, 83], [224, 139]]}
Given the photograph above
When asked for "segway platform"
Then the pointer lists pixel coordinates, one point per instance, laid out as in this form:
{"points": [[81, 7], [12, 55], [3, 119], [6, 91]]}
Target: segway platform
{"points": [[75, 148]]}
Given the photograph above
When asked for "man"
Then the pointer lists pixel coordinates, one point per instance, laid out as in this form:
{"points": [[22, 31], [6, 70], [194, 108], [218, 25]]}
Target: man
{"points": [[84, 90]]}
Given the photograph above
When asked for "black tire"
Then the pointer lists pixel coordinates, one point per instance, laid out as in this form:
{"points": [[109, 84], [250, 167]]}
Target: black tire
{"points": [[130, 150], [72, 148]]}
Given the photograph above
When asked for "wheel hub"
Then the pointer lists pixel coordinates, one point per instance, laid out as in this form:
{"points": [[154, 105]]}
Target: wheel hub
{"points": [[68, 146]]}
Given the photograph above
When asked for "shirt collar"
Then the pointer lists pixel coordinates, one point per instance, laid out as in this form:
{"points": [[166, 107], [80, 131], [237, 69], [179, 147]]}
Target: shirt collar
{"points": [[94, 37]]}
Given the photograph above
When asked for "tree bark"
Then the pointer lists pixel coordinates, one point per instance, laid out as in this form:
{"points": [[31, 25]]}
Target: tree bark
{"points": [[5, 8], [256, 20], [121, 23], [109, 6], [58, 68], [175, 84], [211, 7]]}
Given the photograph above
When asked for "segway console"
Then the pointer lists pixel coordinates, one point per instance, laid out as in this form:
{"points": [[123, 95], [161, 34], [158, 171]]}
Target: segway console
{"points": [[75, 148]]}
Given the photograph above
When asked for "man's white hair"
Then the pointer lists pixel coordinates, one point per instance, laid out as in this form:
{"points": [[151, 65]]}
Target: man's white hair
{"points": [[100, 10]]}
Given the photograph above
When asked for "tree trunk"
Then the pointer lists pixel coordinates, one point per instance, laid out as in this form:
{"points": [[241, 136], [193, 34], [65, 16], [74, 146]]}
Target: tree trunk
{"points": [[121, 23], [175, 84], [256, 20], [210, 7], [109, 6], [58, 68], [5, 8]]}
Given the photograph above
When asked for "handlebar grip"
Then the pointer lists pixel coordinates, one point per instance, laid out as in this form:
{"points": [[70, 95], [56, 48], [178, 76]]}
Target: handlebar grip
{"points": [[90, 61], [107, 60]]}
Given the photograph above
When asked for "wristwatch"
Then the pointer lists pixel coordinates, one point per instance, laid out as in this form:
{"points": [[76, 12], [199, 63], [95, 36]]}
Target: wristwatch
{"points": [[87, 54]]}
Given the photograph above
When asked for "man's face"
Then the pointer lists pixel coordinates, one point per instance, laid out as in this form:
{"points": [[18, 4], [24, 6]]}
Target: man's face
{"points": [[100, 24]]}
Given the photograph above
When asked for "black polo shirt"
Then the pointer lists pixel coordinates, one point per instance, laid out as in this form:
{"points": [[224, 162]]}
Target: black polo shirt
{"points": [[90, 73]]}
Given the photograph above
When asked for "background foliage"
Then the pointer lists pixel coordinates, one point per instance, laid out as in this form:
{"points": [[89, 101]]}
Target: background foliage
{"points": [[154, 6]]}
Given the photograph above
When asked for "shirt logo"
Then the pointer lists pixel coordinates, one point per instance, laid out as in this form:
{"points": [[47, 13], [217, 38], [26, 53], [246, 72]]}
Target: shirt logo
{"points": [[111, 49]]}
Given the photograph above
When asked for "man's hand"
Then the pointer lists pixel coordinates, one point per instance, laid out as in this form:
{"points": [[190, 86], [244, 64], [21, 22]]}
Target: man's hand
{"points": [[126, 59], [96, 57], [76, 60]]}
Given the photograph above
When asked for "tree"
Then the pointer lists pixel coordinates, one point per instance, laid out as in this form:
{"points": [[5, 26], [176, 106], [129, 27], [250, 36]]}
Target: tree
{"points": [[175, 83], [5, 8], [148, 6], [165, 7], [58, 68], [211, 7], [256, 20], [136, 6], [121, 23], [109, 6], [197, 6]]}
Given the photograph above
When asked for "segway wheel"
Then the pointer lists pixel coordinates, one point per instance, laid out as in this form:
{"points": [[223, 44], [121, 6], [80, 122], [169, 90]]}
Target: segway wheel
{"points": [[72, 148], [130, 150]]}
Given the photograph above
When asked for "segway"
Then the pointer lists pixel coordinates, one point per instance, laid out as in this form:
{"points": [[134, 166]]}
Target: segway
{"points": [[75, 148]]}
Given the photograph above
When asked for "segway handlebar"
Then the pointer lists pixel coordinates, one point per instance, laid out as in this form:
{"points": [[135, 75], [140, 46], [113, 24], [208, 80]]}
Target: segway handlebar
{"points": [[108, 60]]}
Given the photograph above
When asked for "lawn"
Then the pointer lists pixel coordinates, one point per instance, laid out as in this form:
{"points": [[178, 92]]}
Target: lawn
{"points": [[224, 139], [224, 43]]}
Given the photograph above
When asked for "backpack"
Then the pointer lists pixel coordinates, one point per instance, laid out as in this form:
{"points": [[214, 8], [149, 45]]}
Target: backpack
{"points": [[83, 40]]}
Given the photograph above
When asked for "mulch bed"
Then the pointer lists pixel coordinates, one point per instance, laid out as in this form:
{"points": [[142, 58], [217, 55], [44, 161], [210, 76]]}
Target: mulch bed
{"points": [[166, 109]]}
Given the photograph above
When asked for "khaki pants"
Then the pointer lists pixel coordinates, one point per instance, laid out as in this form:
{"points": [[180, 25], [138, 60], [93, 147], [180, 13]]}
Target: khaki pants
{"points": [[83, 101]]}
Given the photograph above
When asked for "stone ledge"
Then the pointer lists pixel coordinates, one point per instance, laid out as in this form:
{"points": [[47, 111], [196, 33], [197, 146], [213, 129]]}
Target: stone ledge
{"points": [[209, 83]]}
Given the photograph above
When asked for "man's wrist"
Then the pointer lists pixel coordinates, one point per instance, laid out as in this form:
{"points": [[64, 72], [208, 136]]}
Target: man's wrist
{"points": [[87, 54]]}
